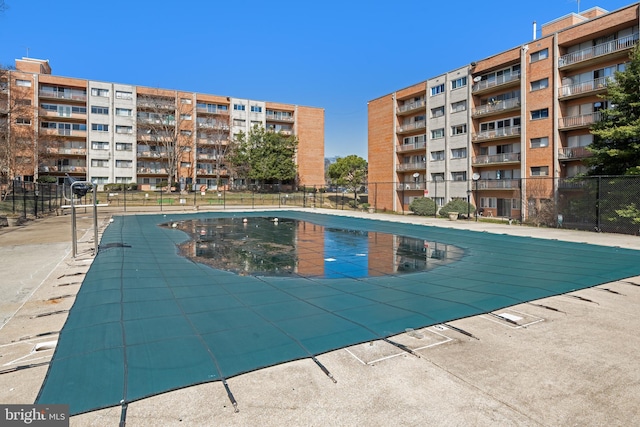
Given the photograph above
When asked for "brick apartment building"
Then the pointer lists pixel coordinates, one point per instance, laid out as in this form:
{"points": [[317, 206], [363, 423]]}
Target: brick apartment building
{"points": [[113, 133], [487, 131]]}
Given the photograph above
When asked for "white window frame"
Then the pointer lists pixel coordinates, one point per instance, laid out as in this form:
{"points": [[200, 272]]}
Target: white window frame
{"points": [[539, 55], [541, 142], [437, 133], [540, 84], [120, 94], [437, 89]]}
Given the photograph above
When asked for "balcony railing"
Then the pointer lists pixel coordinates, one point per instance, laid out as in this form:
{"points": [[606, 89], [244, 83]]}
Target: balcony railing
{"points": [[156, 171], [411, 166], [411, 147], [497, 106], [68, 151], [64, 132], [579, 121], [496, 158], [153, 121], [601, 49], [279, 118], [149, 103], [74, 96], [571, 153], [498, 184], [206, 156], [405, 108], [212, 111], [412, 186], [412, 126], [505, 132], [585, 87], [498, 81], [65, 168], [152, 154], [212, 172]]}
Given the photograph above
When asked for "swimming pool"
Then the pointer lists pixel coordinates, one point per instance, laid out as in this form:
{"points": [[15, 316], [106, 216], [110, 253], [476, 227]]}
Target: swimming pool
{"points": [[148, 320]]}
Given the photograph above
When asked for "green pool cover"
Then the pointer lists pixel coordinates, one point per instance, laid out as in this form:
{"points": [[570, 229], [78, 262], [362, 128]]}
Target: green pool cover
{"points": [[147, 320]]}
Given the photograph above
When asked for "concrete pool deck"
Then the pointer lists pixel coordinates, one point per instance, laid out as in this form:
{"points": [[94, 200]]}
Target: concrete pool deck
{"points": [[570, 360]]}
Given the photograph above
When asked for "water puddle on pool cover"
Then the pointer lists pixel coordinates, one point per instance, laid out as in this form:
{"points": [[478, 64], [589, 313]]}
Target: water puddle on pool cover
{"points": [[289, 247]]}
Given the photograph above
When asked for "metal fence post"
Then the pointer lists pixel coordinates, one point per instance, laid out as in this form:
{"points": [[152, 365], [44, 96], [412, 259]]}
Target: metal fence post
{"points": [[598, 201]]}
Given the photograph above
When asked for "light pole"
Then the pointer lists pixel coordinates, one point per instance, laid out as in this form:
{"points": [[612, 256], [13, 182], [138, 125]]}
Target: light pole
{"points": [[476, 178], [468, 204]]}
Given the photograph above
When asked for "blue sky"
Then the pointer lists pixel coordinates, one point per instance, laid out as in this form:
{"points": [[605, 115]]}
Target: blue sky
{"points": [[337, 55]]}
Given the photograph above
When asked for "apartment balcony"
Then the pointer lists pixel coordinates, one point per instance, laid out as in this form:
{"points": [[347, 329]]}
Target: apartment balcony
{"points": [[573, 153], [271, 117], [496, 159], [66, 151], [214, 111], [482, 86], [409, 186], [154, 137], [496, 134], [159, 122], [411, 127], [619, 47], [57, 115], [498, 184], [206, 156], [150, 155], [415, 166], [420, 146], [211, 124], [64, 168], [496, 107], [591, 87], [151, 171], [63, 132], [212, 141], [154, 104], [71, 96], [581, 121], [411, 107], [211, 172], [283, 131]]}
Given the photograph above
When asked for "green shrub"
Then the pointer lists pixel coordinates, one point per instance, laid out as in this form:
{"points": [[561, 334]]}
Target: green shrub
{"points": [[47, 179], [457, 205], [423, 206]]}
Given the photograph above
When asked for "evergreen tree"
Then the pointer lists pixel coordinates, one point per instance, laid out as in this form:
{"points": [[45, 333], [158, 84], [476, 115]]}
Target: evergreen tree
{"points": [[616, 137], [264, 156]]}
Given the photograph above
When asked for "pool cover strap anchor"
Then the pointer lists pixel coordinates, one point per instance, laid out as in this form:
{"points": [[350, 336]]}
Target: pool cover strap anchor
{"points": [[123, 414], [324, 369], [402, 347], [231, 398], [506, 319], [462, 331]]}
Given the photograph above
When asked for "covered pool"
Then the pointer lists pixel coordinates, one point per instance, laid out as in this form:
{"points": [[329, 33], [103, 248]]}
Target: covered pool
{"points": [[148, 320]]}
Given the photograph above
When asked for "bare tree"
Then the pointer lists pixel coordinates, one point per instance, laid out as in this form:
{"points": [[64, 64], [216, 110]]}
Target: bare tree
{"points": [[541, 207], [159, 121], [17, 134]]}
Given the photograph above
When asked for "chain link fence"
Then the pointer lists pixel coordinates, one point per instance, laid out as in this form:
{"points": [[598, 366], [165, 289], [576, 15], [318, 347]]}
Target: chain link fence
{"points": [[602, 204]]}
